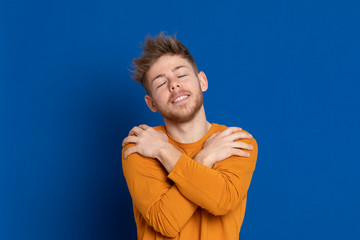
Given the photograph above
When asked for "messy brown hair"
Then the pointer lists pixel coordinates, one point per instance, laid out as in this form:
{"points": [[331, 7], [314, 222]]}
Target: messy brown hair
{"points": [[153, 48]]}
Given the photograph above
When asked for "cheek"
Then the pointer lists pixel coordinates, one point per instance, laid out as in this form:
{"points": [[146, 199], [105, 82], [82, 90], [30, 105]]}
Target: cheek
{"points": [[195, 86], [161, 97]]}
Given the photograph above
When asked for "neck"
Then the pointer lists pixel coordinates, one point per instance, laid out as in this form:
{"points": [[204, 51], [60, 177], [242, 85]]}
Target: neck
{"points": [[191, 131]]}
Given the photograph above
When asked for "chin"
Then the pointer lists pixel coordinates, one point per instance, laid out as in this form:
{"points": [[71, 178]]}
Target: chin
{"points": [[185, 113], [181, 116]]}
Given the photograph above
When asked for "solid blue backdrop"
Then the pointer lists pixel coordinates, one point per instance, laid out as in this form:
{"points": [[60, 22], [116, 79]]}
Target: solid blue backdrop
{"points": [[286, 71]]}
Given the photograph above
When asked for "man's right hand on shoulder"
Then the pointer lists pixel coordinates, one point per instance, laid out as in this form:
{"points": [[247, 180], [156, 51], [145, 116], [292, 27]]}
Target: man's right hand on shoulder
{"points": [[221, 145]]}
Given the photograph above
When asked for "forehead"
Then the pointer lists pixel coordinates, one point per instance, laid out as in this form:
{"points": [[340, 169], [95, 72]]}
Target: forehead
{"points": [[167, 63]]}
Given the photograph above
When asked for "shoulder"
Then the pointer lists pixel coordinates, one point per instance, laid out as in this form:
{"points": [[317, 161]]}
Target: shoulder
{"points": [[136, 164], [254, 152], [160, 128], [136, 158], [220, 127]]}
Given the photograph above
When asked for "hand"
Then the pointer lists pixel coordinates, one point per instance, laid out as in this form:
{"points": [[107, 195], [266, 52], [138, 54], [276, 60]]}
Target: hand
{"points": [[222, 145], [148, 141]]}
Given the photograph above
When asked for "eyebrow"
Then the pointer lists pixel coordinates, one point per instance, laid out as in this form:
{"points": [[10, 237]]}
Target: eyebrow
{"points": [[178, 67], [173, 70], [158, 76]]}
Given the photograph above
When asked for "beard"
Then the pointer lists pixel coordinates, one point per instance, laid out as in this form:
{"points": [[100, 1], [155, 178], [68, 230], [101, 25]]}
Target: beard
{"points": [[185, 112]]}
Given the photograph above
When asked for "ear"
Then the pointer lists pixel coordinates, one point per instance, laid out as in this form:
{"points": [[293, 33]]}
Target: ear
{"points": [[151, 104], [203, 81]]}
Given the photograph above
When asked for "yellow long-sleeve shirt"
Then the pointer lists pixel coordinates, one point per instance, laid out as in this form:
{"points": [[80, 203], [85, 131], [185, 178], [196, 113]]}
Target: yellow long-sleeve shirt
{"points": [[192, 201]]}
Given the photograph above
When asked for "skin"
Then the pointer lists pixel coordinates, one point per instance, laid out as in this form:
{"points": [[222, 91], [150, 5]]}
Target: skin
{"points": [[170, 77]]}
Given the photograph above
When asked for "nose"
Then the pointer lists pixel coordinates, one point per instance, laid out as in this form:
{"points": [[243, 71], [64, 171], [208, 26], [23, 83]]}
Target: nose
{"points": [[174, 83]]}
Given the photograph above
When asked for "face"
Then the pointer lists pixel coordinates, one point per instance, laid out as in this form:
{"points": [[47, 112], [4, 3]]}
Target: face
{"points": [[176, 90]]}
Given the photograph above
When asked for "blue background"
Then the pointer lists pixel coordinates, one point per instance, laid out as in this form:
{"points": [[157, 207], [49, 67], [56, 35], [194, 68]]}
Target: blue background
{"points": [[286, 71]]}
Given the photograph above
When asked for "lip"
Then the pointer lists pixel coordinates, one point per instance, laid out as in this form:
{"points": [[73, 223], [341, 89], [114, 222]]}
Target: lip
{"points": [[180, 95]]}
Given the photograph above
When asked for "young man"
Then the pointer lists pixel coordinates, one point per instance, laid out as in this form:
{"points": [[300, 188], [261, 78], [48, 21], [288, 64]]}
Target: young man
{"points": [[189, 178]]}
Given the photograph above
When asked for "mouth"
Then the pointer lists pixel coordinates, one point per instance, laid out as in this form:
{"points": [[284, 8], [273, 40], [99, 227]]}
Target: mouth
{"points": [[180, 98]]}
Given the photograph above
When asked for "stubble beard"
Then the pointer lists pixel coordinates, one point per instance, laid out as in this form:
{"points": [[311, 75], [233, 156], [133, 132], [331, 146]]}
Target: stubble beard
{"points": [[184, 113]]}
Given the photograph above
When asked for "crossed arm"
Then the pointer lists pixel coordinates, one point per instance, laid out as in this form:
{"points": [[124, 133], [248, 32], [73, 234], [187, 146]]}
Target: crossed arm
{"points": [[155, 144], [208, 182]]}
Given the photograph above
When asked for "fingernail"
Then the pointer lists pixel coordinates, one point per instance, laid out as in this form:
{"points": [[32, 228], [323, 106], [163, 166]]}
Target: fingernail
{"points": [[248, 154]]}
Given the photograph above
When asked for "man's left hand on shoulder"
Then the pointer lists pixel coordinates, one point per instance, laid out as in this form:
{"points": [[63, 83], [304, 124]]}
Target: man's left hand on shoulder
{"points": [[147, 140]]}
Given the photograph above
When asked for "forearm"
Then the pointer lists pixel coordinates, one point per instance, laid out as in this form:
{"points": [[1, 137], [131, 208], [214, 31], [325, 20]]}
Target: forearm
{"points": [[198, 182], [217, 190], [169, 214], [205, 187], [204, 159], [158, 200], [168, 156]]}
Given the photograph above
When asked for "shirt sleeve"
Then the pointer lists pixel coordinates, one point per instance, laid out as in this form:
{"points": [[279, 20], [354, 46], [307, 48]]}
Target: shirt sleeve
{"points": [[220, 189], [156, 197]]}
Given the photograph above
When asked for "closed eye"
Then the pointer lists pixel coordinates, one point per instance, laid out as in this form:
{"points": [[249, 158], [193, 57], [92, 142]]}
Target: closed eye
{"points": [[161, 84], [181, 76]]}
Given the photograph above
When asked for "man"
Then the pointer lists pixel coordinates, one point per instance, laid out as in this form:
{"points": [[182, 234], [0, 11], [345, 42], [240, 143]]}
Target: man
{"points": [[189, 178]]}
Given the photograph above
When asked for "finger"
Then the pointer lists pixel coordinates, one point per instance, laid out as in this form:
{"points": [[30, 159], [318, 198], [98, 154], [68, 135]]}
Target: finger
{"points": [[130, 139], [144, 126], [240, 135], [242, 145], [135, 131], [240, 153], [231, 130], [214, 135], [130, 151]]}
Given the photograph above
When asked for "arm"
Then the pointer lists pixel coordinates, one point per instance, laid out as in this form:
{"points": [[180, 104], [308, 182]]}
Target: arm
{"points": [[155, 196], [220, 189]]}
